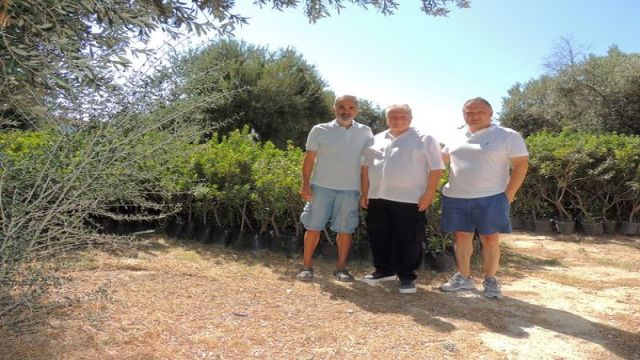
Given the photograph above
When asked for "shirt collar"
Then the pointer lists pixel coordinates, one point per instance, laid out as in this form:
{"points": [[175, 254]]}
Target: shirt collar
{"points": [[388, 135], [335, 123], [469, 134]]}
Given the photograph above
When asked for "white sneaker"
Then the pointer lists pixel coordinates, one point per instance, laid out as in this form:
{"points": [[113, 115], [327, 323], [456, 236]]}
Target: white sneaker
{"points": [[376, 277]]}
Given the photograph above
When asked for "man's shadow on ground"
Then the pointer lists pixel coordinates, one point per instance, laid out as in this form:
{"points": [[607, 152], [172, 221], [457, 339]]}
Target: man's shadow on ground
{"points": [[508, 316]]}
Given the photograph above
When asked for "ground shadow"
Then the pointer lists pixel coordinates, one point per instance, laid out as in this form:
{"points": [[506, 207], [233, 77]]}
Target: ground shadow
{"points": [[509, 316]]}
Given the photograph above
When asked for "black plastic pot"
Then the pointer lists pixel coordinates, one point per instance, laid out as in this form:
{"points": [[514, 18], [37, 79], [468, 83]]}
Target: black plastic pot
{"points": [[125, 227], [528, 224], [108, 226], [566, 226], [594, 228], [329, 251], [543, 225], [610, 226], [517, 222], [441, 262], [293, 246], [241, 241], [364, 252], [629, 228], [276, 244], [175, 228], [206, 234], [222, 236], [259, 242]]}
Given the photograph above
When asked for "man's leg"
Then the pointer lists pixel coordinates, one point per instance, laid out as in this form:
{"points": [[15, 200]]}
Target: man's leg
{"points": [[311, 240], [408, 234], [490, 254], [463, 250], [344, 220], [314, 218], [343, 242], [379, 233]]}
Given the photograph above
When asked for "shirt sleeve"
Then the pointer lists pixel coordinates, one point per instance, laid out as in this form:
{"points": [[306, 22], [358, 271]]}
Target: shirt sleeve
{"points": [[366, 154], [313, 139], [434, 153], [516, 145]]}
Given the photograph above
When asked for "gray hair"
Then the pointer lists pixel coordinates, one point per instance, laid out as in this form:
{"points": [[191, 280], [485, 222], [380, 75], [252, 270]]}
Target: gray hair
{"points": [[477, 99], [346, 97], [404, 107]]}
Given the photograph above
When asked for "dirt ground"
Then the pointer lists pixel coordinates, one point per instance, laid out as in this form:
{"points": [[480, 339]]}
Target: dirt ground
{"points": [[566, 297]]}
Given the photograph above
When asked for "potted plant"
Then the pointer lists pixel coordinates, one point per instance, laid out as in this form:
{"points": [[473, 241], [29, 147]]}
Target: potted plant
{"points": [[438, 246], [542, 215], [630, 226]]}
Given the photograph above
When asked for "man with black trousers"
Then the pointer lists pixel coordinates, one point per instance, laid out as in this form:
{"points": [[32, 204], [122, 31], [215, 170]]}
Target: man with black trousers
{"points": [[400, 176]]}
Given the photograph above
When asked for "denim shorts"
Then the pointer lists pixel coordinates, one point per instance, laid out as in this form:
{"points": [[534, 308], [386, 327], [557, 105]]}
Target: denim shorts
{"points": [[489, 214], [341, 206]]}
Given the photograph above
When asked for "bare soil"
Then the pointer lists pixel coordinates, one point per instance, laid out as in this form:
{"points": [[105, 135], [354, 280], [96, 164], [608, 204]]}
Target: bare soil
{"points": [[566, 297]]}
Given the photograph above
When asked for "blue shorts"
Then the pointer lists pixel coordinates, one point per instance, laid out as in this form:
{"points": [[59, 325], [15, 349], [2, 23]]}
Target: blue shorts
{"points": [[341, 206], [489, 214]]}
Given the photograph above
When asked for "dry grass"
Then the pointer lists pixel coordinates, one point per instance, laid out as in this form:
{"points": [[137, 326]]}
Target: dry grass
{"points": [[174, 300]]}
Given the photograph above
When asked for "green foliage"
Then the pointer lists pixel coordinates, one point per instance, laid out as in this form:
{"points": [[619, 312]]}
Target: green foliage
{"points": [[594, 95], [17, 146], [277, 94], [276, 175], [582, 175], [371, 115], [437, 241], [240, 181]]}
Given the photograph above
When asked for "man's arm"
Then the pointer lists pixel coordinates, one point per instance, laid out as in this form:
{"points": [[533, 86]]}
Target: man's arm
{"points": [[519, 167], [432, 185], [307, 168], [364, 187]]}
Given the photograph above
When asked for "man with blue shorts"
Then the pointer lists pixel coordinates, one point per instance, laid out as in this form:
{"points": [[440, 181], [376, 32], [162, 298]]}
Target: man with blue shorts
{"points": [[331, 183], [487, 167]]}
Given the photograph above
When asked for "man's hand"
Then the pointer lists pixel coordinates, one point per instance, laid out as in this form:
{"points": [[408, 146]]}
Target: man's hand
{"points": [[510, 196], [306, 193], [425, 201], [364, 201]]}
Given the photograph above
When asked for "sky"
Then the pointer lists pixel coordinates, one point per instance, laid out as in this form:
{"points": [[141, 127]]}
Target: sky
{"points": [[435, 64]]}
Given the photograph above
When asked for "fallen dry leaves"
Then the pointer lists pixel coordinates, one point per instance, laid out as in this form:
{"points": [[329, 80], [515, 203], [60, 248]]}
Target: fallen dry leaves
{"points": [[565, 298]]}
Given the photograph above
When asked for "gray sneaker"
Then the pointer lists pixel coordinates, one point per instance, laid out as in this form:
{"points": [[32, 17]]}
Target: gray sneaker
{"points": [[343, 275], [306, 274], [407, 287], [458, 282], [491, 288]]}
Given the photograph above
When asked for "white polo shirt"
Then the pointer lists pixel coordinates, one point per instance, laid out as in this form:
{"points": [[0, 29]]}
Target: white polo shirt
{"points": [[339, 154], [398, 167], [480, 162]]}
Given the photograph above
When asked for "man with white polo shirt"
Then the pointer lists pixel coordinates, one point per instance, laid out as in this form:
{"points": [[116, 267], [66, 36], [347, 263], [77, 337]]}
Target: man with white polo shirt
{"points": [[488, 165], [331, 183], [400, 177]]}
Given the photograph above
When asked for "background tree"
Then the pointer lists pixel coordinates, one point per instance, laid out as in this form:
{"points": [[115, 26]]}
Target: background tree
{"points": [[48, 46], [372, 115], [276, 93], [597, 94]]}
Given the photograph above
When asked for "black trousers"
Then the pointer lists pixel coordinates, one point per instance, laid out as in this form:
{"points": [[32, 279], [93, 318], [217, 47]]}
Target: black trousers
{"points": [[396, 231]]}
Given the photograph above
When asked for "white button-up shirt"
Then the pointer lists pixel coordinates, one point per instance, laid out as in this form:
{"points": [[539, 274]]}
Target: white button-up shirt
{"points": [[398, 167]]}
